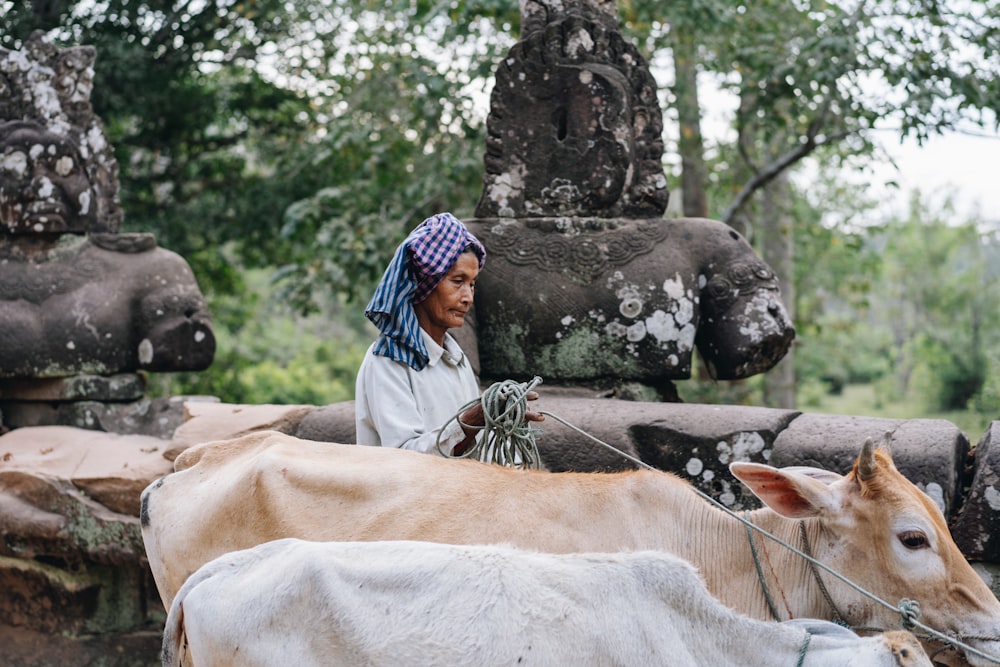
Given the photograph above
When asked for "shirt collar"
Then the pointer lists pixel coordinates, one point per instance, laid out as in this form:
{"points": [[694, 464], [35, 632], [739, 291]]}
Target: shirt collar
{"points": [[451, 352]]}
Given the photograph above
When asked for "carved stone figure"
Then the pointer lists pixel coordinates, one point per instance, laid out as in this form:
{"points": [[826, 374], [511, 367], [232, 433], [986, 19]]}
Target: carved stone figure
{"points": [[75, 296], [574, 127], [586, 301], [50, 132], [586, 283], [100, 304], [43, 185]]}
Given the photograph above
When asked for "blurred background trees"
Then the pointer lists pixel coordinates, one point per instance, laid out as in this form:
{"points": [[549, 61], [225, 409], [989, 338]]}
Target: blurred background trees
{"points": [[284, 149]]}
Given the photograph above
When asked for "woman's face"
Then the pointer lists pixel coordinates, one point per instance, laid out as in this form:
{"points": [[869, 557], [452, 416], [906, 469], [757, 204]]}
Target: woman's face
{"points": [[447, 305]]}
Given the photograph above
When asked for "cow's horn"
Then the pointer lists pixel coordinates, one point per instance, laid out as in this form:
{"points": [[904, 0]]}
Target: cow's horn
{"points": [[886, 443], [866, 461]]}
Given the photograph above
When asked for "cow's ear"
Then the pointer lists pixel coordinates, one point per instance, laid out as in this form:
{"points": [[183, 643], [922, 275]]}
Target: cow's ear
{"points": [[791, 493]]}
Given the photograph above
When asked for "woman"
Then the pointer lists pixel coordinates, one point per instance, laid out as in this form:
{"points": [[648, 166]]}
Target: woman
{"points": [[415, 377]]}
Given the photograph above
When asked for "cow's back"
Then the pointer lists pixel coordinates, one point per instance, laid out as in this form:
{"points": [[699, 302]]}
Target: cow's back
{"points": [[236, 494], [420, 603]]}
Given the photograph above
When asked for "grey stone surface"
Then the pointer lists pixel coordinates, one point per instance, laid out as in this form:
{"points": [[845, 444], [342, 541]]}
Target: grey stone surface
{"points": [[977, 528], [929, 452], [72, 306], [120, 387], [330, 423], [157, 417]]}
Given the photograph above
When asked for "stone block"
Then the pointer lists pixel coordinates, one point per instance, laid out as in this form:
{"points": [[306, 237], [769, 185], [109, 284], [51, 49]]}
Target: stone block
{"points": [[977, 528], [72, 561], [330, 423], [120, 387], [697, 442], [208, 420], [930, 453], [26, 647], [157, 417]]}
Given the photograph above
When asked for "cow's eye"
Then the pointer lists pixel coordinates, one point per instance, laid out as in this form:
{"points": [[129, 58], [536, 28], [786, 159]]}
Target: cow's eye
{"points": [[913, 539]]}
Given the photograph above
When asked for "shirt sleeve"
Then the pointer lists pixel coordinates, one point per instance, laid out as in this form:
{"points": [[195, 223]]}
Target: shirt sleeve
{"points": [[392, 410]]}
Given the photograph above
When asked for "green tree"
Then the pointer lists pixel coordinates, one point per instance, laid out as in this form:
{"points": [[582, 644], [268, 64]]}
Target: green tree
{"points": [[818, 76], [940, 295]]}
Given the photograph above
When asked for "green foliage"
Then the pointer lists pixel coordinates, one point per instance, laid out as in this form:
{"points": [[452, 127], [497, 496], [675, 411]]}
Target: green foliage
{"points": [[864, 400], [269, 354], [923, 332], [389, 160], [940, 315], [987, 401]]}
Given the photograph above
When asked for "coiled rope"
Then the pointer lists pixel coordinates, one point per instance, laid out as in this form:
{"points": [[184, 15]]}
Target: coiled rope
{"points": [[506, 438], [908, 610]]}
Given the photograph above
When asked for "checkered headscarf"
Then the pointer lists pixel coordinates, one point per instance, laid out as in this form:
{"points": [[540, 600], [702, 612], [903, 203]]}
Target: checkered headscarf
{"points": [[420, 263]]}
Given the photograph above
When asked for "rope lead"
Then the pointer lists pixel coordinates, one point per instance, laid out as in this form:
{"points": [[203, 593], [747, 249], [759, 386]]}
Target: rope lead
{"points": [[508, 441], [506, 438], [909, 610]]}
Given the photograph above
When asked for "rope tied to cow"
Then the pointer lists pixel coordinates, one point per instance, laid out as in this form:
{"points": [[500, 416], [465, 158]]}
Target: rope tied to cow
{"points": [[506, 437], [909, 610], [804, 650]]}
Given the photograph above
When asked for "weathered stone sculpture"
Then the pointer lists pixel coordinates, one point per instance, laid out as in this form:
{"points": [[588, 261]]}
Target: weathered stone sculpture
{"points": [[586, 283], [632, 301], [574, 127], [76, 297], [99, 304]]}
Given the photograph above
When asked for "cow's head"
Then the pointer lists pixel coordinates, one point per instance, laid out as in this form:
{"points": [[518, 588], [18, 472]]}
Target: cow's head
{"points": [[745, 328], [880, 531]]}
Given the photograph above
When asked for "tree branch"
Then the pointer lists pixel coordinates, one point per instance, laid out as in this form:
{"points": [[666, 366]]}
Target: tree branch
{"points": [[764, 176]]}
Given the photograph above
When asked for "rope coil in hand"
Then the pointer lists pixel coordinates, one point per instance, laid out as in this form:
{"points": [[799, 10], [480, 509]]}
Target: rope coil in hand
{"points": [[506, 438]]}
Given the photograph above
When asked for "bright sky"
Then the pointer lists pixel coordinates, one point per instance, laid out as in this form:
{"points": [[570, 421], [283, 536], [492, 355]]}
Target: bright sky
{"points": [[964, 164]]}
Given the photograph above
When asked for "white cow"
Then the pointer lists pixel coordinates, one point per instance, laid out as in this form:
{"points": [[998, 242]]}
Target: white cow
{"points": [[872, 525], [293, 602]]}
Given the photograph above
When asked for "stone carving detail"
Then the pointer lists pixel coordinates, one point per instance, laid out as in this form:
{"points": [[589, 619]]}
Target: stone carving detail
{"points": [[57, 170], [574, 127], [581, 257]]}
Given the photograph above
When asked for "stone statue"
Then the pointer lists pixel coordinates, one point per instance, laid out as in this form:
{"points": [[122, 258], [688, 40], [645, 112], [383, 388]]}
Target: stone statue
{"points": [[586, 283], [574, 128], [585, 302], [77, 297]]}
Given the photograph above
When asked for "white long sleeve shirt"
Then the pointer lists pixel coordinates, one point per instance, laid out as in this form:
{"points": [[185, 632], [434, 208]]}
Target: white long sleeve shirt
{"points": [[396, 406]]}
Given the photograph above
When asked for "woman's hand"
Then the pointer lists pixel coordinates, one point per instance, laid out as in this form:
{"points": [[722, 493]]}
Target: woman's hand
{"points": [[533, 416], [473, 419]]}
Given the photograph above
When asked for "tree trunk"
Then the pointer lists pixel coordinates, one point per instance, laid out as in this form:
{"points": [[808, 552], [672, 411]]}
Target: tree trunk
{"points": [[693, 172], [775, 227]]}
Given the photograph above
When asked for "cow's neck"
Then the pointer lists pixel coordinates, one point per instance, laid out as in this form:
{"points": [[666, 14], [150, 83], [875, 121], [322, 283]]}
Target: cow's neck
{"points": [[730, 569]]}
